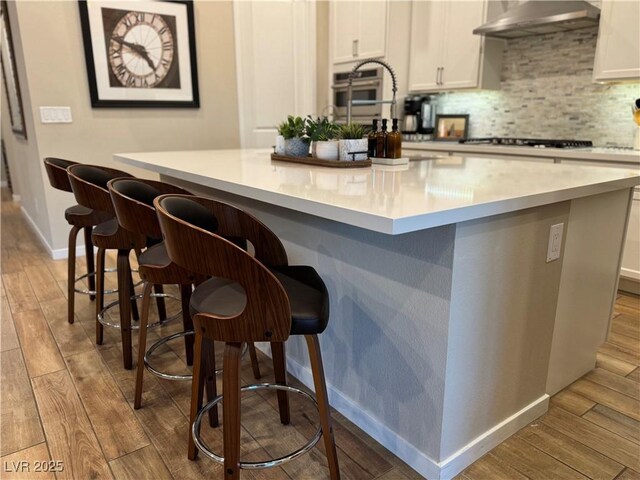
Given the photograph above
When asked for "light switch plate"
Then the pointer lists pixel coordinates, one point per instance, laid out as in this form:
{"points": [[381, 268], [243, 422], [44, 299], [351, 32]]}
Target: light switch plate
{"points": [[555, 242], [55, 115]]}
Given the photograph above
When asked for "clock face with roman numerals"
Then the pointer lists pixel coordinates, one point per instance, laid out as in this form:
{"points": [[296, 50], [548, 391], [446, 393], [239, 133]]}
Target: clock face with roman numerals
{"points": [[141, 50]]}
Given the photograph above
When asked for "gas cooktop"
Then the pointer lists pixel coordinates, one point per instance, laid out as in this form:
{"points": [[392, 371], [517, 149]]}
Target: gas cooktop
{"points": [[529, 142]]}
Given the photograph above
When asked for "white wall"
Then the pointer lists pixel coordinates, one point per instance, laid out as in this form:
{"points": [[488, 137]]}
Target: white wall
{"points": [[52, 71]]}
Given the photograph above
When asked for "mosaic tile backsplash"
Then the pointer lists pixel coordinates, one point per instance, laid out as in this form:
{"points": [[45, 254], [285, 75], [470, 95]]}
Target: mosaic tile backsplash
{"points": [[547, 92]]}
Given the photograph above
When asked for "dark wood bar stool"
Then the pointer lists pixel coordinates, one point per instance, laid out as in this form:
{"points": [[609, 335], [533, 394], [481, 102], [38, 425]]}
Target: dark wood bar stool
{"points": [[80, 218], [133, 203], [249, 298], [89, 184]]}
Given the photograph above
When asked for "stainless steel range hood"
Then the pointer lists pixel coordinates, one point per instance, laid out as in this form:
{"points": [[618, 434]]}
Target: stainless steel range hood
{"points": [[540, 17]]}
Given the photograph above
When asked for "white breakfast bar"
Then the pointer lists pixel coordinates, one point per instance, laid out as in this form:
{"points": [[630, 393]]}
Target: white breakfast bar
{"points": [[449, 329]]}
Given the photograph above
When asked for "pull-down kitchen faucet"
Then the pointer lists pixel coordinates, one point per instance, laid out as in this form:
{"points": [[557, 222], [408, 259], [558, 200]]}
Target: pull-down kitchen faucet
{"points": [[351, 102]]}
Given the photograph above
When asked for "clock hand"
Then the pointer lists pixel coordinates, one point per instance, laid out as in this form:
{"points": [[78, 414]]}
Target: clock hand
{"points": [[145, 55], [138, 49], [133, 46]]}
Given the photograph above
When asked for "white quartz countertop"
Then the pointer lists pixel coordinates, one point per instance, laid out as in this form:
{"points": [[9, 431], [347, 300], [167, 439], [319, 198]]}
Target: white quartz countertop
{"points": [[391, 200], [622, 155]]}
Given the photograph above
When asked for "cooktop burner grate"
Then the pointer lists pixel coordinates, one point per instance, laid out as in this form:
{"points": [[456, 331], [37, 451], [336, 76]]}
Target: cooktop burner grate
{"points": [[529, 142]]}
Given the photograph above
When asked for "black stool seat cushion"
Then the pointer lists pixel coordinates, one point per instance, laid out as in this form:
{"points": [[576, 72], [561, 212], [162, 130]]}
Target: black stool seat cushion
{"points": [[155, 255], [106, 229], [75, 211], [80, 216], [307, 294]]}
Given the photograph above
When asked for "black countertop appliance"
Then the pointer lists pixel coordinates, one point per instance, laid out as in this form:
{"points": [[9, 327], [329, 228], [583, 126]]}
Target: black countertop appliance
{"points": [[418, 115]]}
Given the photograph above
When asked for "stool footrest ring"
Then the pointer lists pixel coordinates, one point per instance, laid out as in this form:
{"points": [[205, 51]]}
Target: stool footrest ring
{"points": [[107, 323], [176, 376], [195, 429], [162, 341], [86, 291]]}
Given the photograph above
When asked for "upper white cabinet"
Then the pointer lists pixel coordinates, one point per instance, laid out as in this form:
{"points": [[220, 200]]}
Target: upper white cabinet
{"points": [[276, 59], [358, 30], [444, 52], [618, 50]]}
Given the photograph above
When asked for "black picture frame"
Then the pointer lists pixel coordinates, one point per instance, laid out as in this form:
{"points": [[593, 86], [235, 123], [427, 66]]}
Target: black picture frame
{"points": [[10, 75], [442, 132], [104, 93]]}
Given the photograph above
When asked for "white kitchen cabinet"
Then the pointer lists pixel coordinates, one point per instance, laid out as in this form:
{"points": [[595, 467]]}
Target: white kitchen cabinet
{"points": [[276, 59], [618, 48], [631, 258], [358, 30], [444, 52]]}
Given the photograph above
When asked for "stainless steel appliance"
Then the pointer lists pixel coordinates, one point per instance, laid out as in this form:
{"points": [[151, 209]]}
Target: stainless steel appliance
{"points": [[419, 115], [529, 142], [366, 87], [540, 17]]}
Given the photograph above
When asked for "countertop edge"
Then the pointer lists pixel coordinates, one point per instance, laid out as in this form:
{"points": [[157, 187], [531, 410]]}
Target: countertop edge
{"points": [[632, 157], [382, 224]]}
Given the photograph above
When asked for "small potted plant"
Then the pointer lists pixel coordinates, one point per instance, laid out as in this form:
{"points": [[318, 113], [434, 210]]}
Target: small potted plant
{"points": [[296, 144], [322, 132], [352, 140], [279, 147]]}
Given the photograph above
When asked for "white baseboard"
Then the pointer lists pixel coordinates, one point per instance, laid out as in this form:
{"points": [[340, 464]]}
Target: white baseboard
{"points": [[37, 231], [490, 439], [16, 198], [416, 459], [631, 274], [57, 254]]}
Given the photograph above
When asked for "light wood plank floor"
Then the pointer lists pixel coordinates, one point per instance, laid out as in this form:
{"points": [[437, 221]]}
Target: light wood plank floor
{"points": [[66, 399]]}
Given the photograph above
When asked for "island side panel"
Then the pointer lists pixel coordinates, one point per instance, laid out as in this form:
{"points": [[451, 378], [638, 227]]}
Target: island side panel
{"points": [[593, 254], [385, 347], [503, 308]]}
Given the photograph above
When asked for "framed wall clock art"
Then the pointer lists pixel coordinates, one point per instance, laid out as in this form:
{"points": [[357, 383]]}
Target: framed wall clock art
{"points": [[140, 53], [10, 75]]}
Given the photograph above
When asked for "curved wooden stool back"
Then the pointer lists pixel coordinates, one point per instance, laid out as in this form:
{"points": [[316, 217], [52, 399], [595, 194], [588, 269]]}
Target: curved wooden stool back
{"points": [[266, 317], [133, 202], [89, 184], [133, 198], [80, 219], [57, 172]]}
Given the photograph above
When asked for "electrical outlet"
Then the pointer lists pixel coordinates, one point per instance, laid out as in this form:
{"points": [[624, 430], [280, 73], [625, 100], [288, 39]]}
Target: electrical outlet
{"points": [[55, 115], [555, 242]]}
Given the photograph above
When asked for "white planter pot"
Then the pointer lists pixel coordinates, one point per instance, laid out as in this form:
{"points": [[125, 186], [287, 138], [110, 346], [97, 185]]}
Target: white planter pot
{"points": [[296, 147], [280, 145], [325, 150], [355, 145]]}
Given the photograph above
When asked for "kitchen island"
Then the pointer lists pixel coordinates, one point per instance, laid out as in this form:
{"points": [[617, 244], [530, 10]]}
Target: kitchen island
{"points": [[449, 328]]}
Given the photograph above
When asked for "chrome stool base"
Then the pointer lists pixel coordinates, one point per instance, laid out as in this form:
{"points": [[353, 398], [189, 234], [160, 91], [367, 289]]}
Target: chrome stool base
{"points": [[172, 376], [195, 429], [86, 291], [107, 323]]}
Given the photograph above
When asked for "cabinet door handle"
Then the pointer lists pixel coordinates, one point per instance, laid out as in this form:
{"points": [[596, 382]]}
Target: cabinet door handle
{"points": [[438, 76], [441, 75], [354, 48]]}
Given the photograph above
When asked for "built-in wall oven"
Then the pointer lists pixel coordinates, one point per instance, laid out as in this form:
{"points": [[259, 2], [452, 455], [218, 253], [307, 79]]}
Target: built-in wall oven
{"points": [[366, 86]]}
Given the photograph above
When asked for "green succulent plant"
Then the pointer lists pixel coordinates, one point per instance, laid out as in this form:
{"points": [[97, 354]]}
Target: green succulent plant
{"points": [[352, 131], [293, 127], [322, 129]]}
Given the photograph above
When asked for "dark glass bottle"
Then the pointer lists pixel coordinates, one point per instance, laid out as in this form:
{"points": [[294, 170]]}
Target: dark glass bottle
{"points": [[394, 141], [372, 140], [381, 140]]}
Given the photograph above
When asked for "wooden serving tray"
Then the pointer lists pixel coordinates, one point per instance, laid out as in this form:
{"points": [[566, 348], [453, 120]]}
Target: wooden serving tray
{"points": [[309, 160]]}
